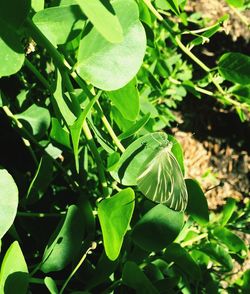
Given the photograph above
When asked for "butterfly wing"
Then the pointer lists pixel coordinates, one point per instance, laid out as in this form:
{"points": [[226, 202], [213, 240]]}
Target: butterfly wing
{"points": [[162, 181]]}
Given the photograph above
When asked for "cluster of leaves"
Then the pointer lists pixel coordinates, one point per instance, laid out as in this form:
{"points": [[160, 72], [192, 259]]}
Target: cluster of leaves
{"points": [[99, 69]]}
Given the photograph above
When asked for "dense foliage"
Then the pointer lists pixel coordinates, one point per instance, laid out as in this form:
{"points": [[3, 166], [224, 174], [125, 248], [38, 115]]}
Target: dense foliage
{"points": [[97, 83]]}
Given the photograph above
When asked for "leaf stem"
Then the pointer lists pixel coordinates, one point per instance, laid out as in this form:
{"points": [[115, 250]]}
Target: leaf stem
{"points": [[20, 126], [37, 73], [93, 246], [195, 239], [60, 62], [39, 214], [34, 141], [98, 108]]}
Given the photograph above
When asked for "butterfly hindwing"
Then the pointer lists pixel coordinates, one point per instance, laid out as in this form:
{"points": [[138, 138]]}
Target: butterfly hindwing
{"points": [[162, 181]]}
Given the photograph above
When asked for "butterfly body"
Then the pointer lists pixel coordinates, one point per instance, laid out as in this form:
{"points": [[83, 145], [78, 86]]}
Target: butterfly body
{"points": [[162, 180]]}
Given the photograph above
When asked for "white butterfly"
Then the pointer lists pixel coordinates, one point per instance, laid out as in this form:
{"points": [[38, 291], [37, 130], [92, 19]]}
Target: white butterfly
{"points": [[162, 180]]}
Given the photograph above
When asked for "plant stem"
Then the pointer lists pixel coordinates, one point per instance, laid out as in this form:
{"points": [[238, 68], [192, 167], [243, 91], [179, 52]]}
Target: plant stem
{"points": [[34, 141], [97, 157], [153, 10], [58, 59], [109, 128], [191, 55], [97, 106], [37, 73], [93, 246], [20, 126], [193, 240], [39, 214], [40, 39]]}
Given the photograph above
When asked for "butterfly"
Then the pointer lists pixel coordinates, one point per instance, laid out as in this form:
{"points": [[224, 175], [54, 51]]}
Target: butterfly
{"points": [[162, 180]]}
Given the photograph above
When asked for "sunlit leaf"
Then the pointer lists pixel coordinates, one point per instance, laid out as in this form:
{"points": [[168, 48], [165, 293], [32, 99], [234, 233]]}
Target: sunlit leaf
{"points": [[14, 278], [115, 214], [8, 201], [110, 66]]}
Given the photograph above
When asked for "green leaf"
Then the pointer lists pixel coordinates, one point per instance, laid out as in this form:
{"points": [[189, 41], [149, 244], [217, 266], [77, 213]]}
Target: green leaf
{"points": [[179, 256], [104, 18], [209, 32], [242, 93], [126, 100], [235, 67], [51, 285], [37, 5], [219, 254], [14, 278], [14, 12], [141, 151], [231, 240], [65, 244], [158, 228], [136, 127], [197, 203], [61, 103], [111, 66], [246, 282], [76, 128], [8, 201], [36, 119], [115, 214], [228, 211], [59, 135], [236, 3], [11, 50], [41, 180], [133, 277], [60, 24], [168, 4]]}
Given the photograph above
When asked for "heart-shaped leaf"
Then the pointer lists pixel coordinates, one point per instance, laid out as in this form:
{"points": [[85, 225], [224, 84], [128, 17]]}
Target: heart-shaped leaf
{"points": [[115, 214], [110, 66], [158, 228]]}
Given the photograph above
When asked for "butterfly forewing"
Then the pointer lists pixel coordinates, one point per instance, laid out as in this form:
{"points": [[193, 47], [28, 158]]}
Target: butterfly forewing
{"points": [[162, 181]]}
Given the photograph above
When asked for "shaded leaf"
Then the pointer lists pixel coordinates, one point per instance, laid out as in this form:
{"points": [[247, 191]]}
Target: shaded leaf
{"points": [[60, 24], [14, 12], [235, 67], [66, 241], [35, 118], [219, 254], [136, 127], [175, 253], [134, 277], [59, 135], [228, 210], [158, 228], [41, 180], [231, 240], [197, 203]]}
